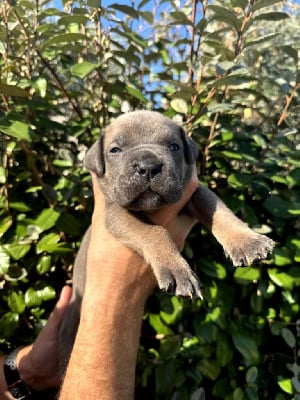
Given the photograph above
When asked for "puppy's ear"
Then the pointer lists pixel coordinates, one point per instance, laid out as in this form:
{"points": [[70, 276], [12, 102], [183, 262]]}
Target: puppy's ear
{"points": [[190, 147], [94, 158]]}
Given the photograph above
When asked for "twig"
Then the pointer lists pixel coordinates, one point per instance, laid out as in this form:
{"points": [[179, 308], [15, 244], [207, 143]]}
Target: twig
{"points": [[288, 101], [209, 140]]}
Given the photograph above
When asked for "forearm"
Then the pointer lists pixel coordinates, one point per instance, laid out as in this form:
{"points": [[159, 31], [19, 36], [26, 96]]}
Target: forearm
{"points": [[104, 355]]}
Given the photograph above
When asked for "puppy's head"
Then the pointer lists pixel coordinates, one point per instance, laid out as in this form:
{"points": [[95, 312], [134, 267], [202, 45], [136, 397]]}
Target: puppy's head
{"points": [[143, 160]]}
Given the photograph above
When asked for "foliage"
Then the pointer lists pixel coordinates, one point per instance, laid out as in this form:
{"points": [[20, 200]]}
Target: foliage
{"points": [[229, 71]]}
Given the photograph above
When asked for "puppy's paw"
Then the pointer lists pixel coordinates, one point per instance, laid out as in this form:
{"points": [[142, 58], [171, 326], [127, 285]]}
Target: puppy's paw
{"points": [[180, 281], [248, 247]]}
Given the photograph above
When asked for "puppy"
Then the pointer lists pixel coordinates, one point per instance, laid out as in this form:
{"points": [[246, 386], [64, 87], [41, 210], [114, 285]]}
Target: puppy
{"points": [[143, 161]]}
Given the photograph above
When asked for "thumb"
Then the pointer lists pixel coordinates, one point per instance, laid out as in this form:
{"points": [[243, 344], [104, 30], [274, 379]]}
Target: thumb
{"points": [[58, 312]]}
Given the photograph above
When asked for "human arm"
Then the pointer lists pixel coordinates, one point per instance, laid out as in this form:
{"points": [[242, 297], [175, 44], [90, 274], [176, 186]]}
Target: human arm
{"points": [[118, 283], [37, 363]]}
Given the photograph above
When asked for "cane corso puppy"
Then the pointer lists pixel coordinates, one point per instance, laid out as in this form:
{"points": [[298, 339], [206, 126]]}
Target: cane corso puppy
{"points": [[143, 161]]}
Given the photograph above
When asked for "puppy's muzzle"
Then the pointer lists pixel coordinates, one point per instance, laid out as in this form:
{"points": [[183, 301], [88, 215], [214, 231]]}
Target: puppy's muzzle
{"points": [[148, 168]]}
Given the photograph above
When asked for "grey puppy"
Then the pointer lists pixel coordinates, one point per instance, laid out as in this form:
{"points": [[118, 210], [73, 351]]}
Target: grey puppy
{"points": [[143, 161]]}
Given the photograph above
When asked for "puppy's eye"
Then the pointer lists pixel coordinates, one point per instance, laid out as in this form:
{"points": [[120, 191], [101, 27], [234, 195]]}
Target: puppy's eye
{"points": [[115, 150], [174, 147]]}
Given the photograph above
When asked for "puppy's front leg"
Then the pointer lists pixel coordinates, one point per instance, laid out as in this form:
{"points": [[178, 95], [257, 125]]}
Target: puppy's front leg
{"points": [[239, 242], [154, 244]]}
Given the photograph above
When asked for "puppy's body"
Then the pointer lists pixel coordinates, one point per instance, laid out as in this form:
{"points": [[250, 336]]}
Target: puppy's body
{"points": [[143, 162]]}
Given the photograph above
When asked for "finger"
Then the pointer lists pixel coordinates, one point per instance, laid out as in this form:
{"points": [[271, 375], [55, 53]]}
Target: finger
{"points": [[58, 312]]}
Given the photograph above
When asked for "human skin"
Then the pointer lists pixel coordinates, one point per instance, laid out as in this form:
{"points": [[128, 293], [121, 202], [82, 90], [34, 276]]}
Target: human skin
{"points": [[118, 283], [38, 363]]}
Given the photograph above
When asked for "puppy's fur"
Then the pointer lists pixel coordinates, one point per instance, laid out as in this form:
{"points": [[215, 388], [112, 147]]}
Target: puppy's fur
{"points": [[143, 161]]}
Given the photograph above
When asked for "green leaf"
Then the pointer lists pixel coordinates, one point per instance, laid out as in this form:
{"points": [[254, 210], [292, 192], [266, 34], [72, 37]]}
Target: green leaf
{"points": [[235, 80], [238, 394], [246, 275], [4, 261], [49, 243], [213, 269], [295, 209], [32, 299], [43, 265], [17, 129], [166, 374], [224, 351], [12, 90], [209, 368], [5, 224], [272, 16], [93, 3], [16, 302], [41, 86], [9, 323], [19, 206], [35, 297], [158, 325], [63, 38], [17, 250], [281, 257], [281, 279], [288, 337], [199, 394], [260, 40], [136, 93], [73, 19], [251, 375], [139, 40], [216, 316], [2, 174], [220, 107], [46, 219], [239, 180], [263, 3], [226, 15], [277, 206], [256, 301], [69, 224], [170, 318], [180, 18], [170, 347], [46, 293], [84, 68], [147, 16], [246, 346], [125, 10], [231, 154], [286, 385], [179, 105]]}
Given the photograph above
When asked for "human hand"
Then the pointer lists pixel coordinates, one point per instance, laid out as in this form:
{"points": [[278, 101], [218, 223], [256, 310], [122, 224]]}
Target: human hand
{"points": [[38, 363]]}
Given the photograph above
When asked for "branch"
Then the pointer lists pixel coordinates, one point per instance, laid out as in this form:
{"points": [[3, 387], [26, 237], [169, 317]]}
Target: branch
{"points": [[288, 101], [238, 45]]}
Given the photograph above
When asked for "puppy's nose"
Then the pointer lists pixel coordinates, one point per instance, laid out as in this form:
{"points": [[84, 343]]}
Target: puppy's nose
{"points": [[148, 168]]}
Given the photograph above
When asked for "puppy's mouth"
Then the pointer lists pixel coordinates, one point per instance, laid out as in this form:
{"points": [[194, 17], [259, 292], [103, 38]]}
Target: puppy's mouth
{"points": [[147, 200]]}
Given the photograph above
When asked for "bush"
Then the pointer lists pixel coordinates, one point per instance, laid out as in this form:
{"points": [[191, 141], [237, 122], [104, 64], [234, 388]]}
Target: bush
{"points": [[230, 73]]}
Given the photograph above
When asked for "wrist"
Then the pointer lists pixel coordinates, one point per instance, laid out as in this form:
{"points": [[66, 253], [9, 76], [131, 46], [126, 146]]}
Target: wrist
{"points": [[17, 388], [28, 373]]}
